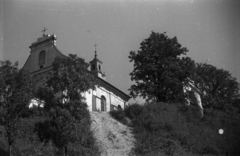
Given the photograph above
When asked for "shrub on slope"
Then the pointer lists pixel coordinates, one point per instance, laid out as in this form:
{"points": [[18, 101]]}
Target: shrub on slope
{"points": [[29, 144], [174, 129]]}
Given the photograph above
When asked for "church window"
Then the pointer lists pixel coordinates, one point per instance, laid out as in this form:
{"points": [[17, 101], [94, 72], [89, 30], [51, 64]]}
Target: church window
{"points": [[41, 58], [99, 67], [103, 103], [93, 67]]}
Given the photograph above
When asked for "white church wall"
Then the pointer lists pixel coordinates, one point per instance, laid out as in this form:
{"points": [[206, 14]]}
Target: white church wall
{"points": [[103, 92], [88, 96], [98, 104], [117, 101], [112, 100]]}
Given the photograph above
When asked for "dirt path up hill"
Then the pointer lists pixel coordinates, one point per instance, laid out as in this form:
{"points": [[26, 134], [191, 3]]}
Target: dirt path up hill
{"points": [[113, 138]]}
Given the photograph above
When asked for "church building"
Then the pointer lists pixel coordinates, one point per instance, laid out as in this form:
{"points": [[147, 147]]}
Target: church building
{"points": [[105, 97]]}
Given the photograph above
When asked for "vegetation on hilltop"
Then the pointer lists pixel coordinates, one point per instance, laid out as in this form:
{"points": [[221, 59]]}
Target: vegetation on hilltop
{"points": [[160, 70], [176, 129], [171, 128], [219, 89]]}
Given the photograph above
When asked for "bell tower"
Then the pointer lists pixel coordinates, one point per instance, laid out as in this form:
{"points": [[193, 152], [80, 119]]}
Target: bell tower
{"points": [[96, 66]]}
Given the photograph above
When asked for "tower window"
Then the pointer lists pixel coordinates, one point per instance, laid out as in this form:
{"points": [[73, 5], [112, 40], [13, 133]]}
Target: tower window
{"points": [[42, 58], [93, 67], [99, 67]]}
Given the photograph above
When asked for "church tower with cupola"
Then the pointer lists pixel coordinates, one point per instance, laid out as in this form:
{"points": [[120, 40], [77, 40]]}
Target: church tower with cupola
{"points": [[96, 66]]}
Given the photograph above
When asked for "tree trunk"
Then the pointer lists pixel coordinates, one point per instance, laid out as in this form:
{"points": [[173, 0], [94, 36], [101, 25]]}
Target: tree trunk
{"points": [[10, 150], [65, 151]]}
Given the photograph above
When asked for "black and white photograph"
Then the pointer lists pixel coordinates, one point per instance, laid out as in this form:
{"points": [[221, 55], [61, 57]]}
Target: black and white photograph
{"points": [[119, 77]]}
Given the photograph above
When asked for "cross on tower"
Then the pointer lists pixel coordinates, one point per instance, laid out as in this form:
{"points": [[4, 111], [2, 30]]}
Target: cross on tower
{"points": [[95, 50], [43, 31], [95, 47]]}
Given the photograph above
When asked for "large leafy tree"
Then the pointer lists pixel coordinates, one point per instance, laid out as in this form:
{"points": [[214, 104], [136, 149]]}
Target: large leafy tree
{"points": [[159, 68], [219, 89], [67, 117], [15, 94]]}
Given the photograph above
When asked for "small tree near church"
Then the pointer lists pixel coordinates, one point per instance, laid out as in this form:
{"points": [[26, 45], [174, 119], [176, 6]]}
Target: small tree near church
{"points": [[15, 94], [220, 90], [159, 69], [67, 118]]}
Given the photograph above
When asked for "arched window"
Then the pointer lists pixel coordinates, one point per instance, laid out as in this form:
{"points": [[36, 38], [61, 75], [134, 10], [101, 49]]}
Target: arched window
{"points": [[42, 58], [103, 103], [99, 67]]}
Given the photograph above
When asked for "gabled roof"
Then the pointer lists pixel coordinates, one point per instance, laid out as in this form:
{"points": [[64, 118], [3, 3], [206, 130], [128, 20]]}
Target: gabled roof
{"points": [[55, 47], [117, 91], [28, 59]]}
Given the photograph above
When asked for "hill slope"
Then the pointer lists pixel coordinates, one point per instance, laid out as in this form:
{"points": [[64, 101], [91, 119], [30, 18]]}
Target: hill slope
{"points": [[175, 129], [113, 138]]}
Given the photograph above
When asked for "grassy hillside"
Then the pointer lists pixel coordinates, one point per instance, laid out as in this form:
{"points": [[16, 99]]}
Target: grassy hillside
{"points": [[175, 129]]}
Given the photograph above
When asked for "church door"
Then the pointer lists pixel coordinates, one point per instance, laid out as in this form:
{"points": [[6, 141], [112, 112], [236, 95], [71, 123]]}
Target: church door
{"points": [[103, 104]]}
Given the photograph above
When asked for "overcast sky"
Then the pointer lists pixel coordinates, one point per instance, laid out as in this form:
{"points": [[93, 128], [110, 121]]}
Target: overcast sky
{"points": [[210, 29]]}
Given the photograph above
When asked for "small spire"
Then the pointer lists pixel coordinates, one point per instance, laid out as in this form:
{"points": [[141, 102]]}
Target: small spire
{"points": [[43, 31], [95, 50]]}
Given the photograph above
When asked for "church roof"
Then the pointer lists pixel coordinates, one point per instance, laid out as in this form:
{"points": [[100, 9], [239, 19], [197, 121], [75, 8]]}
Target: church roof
{"points": [[96, 60], [110, 87], [44, 38]]}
